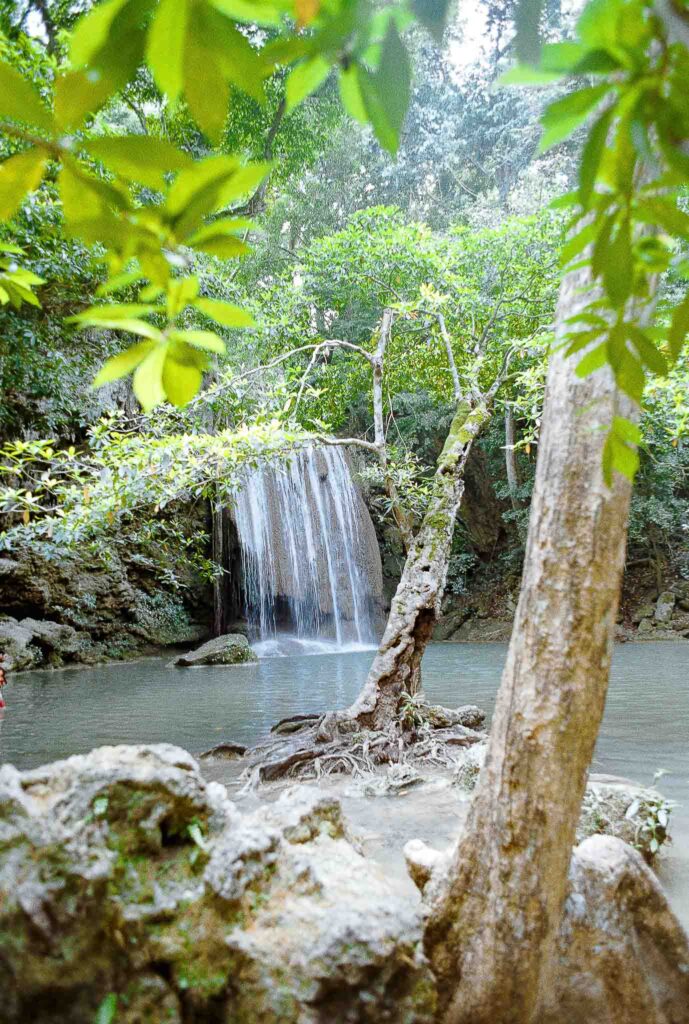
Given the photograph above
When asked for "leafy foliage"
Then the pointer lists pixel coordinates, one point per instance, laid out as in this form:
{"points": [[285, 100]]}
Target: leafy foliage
{"points": [[629, 225]]}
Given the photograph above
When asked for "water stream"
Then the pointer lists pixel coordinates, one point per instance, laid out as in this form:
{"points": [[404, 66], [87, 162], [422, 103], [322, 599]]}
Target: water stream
{"points": [[53, 714]]}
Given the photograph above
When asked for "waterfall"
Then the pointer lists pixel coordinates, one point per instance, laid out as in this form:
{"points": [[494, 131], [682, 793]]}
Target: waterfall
{"points": [[310, 560]]}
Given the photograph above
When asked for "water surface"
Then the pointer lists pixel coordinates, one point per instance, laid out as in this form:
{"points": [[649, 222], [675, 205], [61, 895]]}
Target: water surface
{"points": [[53, 714]]}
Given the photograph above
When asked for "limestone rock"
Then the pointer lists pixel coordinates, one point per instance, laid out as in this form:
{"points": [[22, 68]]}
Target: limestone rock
{"points": [[622, 956], [229, 649], [617, 807], [646, 626], [680, 623], [15, 644], [123, 872], [484, 631], [644, 611], [117, 607], [448, 625], [665, 606]]}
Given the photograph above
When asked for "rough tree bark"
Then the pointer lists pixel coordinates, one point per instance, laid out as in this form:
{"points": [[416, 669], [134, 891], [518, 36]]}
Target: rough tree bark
{"points": [[495, 913]]}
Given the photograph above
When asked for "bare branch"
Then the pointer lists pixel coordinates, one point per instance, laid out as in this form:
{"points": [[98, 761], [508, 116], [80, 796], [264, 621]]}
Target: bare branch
{"points": [[450, 356]]}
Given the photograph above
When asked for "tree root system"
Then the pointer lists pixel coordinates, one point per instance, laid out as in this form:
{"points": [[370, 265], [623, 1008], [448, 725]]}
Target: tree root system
{"points": [[313, 746]]}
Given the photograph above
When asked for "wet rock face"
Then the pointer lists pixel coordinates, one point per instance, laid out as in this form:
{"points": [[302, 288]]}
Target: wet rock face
{"points": [[72, 606], [230, 649], [123, 872]]}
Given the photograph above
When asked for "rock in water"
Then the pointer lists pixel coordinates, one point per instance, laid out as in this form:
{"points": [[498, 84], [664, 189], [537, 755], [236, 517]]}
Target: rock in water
{"points": [[123, 873], [230, 649]]}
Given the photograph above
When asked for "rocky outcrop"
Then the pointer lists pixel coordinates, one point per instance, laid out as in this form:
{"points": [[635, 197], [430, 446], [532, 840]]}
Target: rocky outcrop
{"points": [[32, 644], [230, 649], [125, 877], [65, 606], [622, 956]]}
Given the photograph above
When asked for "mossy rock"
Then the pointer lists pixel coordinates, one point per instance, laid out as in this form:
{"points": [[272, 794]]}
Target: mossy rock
{"points": [[230, 649]]}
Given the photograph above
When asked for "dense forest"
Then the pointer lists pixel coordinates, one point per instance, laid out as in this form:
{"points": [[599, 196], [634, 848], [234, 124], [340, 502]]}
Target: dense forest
{"points": [[358, 325]]}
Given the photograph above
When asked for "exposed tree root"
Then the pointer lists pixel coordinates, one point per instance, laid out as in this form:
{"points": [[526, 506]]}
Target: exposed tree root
{"points": [[308, 747]]}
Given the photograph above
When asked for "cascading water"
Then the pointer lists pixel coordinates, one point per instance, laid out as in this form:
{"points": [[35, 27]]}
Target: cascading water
{"points": [[311, 567]]}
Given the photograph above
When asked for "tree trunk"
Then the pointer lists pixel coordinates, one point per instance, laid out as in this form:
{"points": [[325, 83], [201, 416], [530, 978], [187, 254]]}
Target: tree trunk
{"points": [[495, 914], [396, 669]]}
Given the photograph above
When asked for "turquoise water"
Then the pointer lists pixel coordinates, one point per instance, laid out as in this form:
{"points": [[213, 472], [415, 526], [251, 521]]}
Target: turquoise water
{"points": [[50, 715]]}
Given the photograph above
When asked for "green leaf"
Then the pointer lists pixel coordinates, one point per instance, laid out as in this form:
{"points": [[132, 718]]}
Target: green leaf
{"points": [[20, 101], [527, 74], [79, 94], [626, 430], [206, 90], [304, 79], [148, 378], [244, 182], [563, 116], [107, 1010], [386, 91], [528, 26], [122, 364], [624, 458], [593, 360], [140, 158], [206, 340], [350, 93], [232, 53], [225, 313], [180, 381], [630, 376], [165, 48], [679, 328], [133, 326], [180, 293], [91, 31], [649, 354], [577, 243], [20, 174], [202, 180], [618, 271], [432, 14], [591, 156], [119, 311], [663, 213], [253, 12], [225, 246]]}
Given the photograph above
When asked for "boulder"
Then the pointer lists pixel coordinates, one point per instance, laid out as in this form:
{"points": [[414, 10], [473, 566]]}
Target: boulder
{"points": [[646, 626], [680, 623], [34, 643], [644, 611], [15, 644], [125, 877], [229, 649], [622, 957], [665, 606], [617, 807], [448, 625], [486, 630]]}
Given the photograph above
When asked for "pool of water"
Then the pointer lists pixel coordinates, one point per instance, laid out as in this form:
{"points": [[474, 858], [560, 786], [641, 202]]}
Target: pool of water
{"points": [[50, 715]]}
